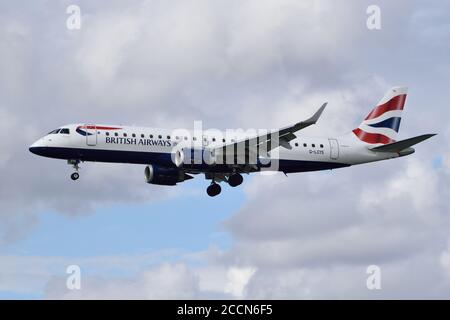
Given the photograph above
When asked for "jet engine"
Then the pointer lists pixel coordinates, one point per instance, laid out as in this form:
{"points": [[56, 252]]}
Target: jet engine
{"points": [[164, 176]]}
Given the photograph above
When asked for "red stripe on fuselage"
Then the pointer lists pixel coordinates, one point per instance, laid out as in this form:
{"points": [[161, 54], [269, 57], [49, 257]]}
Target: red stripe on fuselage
{"points": [[396, 103], [372, 138], [99, 128]]}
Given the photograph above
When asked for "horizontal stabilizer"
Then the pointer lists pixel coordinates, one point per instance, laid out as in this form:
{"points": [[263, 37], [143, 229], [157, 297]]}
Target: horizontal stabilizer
{"points": [[403, 144]]}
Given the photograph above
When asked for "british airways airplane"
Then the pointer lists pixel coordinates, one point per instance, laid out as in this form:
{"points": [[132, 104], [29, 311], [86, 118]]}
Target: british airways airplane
{"points": [[172, 156]]}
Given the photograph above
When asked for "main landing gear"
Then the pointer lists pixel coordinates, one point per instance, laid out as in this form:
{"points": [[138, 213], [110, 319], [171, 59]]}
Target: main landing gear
{"points": [[233, 180], [75, 164], [214, 189]]}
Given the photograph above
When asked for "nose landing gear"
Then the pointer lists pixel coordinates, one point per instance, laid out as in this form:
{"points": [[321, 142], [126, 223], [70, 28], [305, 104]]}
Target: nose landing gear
{"points": [[74, 176], [75, 164]]}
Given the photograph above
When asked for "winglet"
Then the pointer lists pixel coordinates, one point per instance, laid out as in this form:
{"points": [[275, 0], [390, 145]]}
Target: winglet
{"points": [[310, 121], [287, 134], [317, 115]]}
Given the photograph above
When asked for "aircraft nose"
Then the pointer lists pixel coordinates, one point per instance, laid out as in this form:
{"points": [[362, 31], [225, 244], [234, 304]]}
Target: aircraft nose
{"points": [[37, 147]]}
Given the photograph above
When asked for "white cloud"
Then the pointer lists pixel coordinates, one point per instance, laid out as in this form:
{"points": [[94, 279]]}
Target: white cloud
{"points": [[238, 279], [144, 276], [163, 282]]}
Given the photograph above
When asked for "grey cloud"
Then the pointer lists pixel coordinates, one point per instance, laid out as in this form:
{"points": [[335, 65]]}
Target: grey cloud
{"points": [[152, 64], [387, 220], [257, 64], [417, 277]]}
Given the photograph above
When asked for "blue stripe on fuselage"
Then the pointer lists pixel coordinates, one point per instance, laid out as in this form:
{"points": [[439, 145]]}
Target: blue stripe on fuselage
{"points": [[165, 159]]}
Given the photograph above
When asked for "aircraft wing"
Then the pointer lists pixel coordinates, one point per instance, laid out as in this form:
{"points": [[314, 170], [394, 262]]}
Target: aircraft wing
{"points": [[266, 142]]}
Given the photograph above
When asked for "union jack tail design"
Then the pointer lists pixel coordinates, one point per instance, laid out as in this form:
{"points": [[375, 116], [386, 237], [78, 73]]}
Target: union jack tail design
{"points": [[383, 122]]}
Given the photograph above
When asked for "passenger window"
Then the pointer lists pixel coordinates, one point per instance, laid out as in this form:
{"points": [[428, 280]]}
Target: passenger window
{"points": [[296, 144], [151, 136], [168, 137], [133, 135], [124, 134], [305, 145], [185, 138], [223, 140], [107, 133], [214, 139], [313, 145], [321, 145], [116, 134], [142, 136], [160, 137]]}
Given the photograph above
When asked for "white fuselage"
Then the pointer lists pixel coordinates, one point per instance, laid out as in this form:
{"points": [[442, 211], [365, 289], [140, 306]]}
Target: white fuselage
{"points": [[142, 145]]}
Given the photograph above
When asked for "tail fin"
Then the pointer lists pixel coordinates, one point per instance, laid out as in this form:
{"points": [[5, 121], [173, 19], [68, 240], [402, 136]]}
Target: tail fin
{"points": [[383, 122]]}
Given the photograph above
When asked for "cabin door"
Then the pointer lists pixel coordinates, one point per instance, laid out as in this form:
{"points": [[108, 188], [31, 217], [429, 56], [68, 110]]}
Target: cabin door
{"points": [[91, 134]]}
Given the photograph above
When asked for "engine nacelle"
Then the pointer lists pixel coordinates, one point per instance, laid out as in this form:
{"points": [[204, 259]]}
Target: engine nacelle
{"points": [[178, 157], [164, 176], [188, 157]]}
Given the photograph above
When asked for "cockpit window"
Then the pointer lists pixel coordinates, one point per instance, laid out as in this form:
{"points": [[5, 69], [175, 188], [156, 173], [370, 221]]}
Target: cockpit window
{"points": [[60, 131]]}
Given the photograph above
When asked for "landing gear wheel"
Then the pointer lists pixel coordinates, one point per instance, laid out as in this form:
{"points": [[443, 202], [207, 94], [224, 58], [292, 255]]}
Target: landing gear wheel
{"points": [[235, 179], [213, 190], [75, 164], [74, 176]]}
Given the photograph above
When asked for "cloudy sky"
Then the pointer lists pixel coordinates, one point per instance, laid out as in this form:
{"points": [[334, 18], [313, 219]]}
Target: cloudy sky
{"points": [[231, 64]]}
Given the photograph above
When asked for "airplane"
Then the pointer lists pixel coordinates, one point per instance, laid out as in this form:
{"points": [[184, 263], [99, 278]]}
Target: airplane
{"points": [[172, 157]]}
